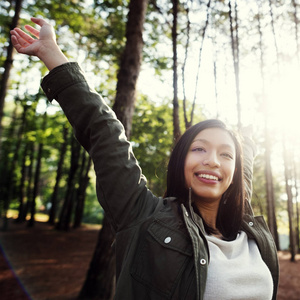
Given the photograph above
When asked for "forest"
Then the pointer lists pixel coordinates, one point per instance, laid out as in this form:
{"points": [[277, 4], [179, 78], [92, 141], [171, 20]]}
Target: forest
{"points": [[162, 66]]}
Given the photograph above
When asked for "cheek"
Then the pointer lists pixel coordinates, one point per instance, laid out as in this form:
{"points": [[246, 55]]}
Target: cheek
{"points": [[187, 173]]}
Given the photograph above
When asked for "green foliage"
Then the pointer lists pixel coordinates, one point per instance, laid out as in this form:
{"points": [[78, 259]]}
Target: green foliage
{"points": [[152, 141]]}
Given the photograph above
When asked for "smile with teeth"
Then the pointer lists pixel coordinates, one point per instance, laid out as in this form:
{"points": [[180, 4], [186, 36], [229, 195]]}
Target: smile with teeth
{"points": [[207, 176]]}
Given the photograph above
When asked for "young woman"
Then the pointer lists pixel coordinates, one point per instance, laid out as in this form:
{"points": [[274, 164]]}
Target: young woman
{"points": [[201, 241]]}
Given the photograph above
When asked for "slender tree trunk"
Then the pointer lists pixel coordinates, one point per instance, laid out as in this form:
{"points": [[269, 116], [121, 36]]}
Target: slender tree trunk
{"points": [[37, 176], [130, 64], [274, 34], [189, 124], [272, 223], [8, 62], [21, 216], [29, 190], [66, 212], [296, 20], [297, 207], [11, 180], [236, 59], [100, 280], [59, 173], [5, 169], [176, 122], [290, 209], [103, 256], [81, 192]]}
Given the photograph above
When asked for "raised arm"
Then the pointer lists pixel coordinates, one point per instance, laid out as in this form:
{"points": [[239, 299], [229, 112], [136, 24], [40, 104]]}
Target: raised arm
{"points": [[121, 187]]}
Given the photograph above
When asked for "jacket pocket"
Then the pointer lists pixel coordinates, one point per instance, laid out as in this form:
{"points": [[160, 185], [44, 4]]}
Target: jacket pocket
{"points": [[162, 256]]}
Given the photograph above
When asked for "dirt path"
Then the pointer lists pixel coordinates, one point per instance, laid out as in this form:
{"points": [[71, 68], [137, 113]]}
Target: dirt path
{"points": [[52, 265]]}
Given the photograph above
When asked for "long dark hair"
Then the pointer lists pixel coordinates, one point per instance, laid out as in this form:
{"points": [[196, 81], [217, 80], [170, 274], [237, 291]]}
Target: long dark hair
{"points": [[231, 207]]}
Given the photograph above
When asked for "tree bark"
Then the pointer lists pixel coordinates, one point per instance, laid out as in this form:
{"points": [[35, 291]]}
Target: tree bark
{"points": [[100, 280], [66, 212], [272, 223], [59, 173], [37, 175], [21, 214], [8, 62], [288, 180], [81, 191], [176, 122], [130, 64], [236, 60]]}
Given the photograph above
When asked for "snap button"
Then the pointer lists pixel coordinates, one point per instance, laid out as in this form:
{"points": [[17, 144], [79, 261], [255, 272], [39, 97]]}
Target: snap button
{"points": [[251, 224], [167, 240], [202, 261]]}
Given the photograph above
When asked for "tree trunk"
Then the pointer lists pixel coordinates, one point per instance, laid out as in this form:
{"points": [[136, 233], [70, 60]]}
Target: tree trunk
{"points": [[297, 207], [130, 64], [8, 62], [100, 283], [7, 149], [290, 210], [189, 124], [66, 212], [37, 175], [176, 122], [11, 182], [272, 223], [271, 210], [100, 280], [81, 192], [236, 60], [59, 173], [21, 214], [29, 190]]}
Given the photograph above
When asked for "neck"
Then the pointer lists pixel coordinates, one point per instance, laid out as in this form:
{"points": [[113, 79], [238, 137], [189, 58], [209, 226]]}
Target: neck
{"points": [[208, 212]]}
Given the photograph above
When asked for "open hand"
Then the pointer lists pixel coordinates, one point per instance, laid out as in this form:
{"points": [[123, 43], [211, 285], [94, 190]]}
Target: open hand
{"points": [[44, 46], [25, 44]]}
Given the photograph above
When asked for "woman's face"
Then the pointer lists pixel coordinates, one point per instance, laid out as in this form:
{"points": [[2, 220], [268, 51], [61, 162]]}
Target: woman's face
{"points": [[210, 164]]}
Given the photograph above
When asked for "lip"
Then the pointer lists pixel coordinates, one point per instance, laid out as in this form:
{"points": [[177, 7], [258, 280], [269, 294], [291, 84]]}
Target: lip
{"points": [[211, 174]]}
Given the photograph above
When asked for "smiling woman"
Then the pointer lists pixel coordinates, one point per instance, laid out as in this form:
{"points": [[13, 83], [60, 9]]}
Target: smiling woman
{"points": [[166, 248], [207, 163]]}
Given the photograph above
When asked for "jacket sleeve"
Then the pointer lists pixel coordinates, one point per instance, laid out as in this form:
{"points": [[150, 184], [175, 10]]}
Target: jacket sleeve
{"points": [[121, 187]]}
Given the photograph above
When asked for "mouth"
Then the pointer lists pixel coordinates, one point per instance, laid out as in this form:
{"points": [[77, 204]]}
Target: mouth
{"points": [[208, 176]]}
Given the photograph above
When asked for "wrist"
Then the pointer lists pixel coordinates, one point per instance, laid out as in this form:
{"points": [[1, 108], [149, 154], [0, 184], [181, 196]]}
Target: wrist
{"points": [[52, 56]]}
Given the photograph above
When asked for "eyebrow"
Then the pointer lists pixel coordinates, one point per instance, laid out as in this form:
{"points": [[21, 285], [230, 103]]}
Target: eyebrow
{"points": [[207, 142]]}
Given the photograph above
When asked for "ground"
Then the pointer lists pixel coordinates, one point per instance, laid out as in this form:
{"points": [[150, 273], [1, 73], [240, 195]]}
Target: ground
{"points": [[41, 263]]}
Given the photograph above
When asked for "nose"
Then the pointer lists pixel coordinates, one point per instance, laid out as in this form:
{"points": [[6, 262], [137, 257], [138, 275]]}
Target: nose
{"points": [[212, 160]]}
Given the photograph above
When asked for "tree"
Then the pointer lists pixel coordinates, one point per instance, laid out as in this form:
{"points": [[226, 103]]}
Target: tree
{"points": [[66, 212], [8, 62], [270, 195], [176, 122], [59, 173], [288, 184], [236, 57], [97, 286], [37, 171]]}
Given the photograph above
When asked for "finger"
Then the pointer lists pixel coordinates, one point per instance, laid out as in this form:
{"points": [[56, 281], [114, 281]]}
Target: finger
{"points": [[39, 21], [32, 30], [21, 41], [24, 36], [16, 44]]}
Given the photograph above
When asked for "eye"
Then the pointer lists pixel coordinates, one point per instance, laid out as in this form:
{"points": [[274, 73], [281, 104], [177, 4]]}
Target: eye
{"points": [[227, 155], [198, 149]]}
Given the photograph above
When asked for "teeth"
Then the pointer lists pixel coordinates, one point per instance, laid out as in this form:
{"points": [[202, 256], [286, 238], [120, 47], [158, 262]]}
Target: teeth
{"points": [[208, 176]]}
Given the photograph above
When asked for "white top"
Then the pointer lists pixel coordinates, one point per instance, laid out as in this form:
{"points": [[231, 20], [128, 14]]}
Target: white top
{"points": [[236, 271]]}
